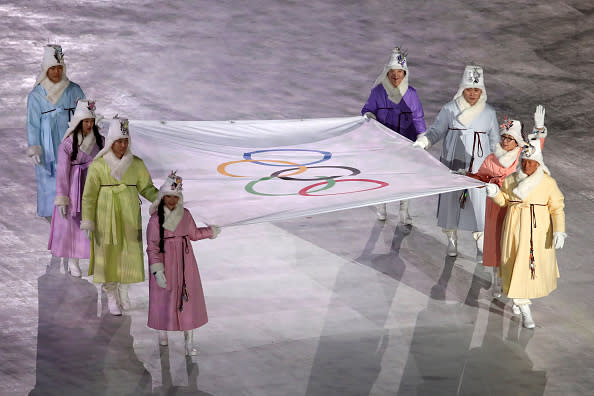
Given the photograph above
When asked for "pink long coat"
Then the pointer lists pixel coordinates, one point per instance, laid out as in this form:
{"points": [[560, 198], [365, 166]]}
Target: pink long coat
{"points": [[66, 238], [179, 262]]}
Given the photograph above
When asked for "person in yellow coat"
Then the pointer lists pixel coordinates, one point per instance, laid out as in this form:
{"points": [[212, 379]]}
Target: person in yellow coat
{"points": [[111, 215], [533, 228]]}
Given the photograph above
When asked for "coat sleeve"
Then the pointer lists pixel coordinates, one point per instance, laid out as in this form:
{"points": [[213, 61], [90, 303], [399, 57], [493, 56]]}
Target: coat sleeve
{"points": [[33, 121], [152, 241], [418, 115], [556, 205], [502, 197], [196, 233], [371, 104], [145, 184], [63, 175], [440, 126], [494, 136], [89, 198]]}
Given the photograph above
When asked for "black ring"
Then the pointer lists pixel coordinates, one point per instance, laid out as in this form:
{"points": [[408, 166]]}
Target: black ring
{"points": [[354, 170]]}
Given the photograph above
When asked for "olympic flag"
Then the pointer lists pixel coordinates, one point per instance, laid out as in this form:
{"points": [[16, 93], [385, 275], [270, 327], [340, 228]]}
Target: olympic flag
{"points": [[242, 172]]}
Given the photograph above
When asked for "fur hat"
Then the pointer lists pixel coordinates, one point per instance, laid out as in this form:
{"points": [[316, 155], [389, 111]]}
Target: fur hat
{"points": [[473, 77], [52, 56], [173, 185], [533, 152], [118, 129], [512, 128], [85, 108], [397, 61]]}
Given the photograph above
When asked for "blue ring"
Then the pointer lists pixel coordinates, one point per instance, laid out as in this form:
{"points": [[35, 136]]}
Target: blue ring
{"points": [[327, 156]]}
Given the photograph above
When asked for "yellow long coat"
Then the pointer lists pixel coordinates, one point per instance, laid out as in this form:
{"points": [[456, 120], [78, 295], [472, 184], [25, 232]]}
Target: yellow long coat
{"points": [[536, 216], [114, 208]]}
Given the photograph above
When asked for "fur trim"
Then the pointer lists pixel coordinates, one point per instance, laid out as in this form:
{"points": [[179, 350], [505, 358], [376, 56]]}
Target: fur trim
{"points": [[173, 217], [55, 90], [395, 94], [527, 183], [539, 134], [87, 225], [33, 150], [88, 142], [156, 267], [506, 158], [369, 114], [118, 166], [467, 112], [61, 200]]}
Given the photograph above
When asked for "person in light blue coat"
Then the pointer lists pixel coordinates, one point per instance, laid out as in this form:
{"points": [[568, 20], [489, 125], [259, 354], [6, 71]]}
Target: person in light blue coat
{"points": [[469, 129], [50, 105]]}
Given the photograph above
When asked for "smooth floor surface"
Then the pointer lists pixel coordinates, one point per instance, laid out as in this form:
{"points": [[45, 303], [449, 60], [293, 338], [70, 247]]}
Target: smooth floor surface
{"points": [[333, 304]]}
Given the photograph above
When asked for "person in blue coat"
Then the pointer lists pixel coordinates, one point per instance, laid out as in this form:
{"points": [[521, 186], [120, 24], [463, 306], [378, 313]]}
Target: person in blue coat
{"points": [[50, 105], [396, 105], [469, 129]]}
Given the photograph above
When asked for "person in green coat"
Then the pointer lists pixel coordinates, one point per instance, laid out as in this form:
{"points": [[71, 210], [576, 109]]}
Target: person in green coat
{"points": [[111, 215]]}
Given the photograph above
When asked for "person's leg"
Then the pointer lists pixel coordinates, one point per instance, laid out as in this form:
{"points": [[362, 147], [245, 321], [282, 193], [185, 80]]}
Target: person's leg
{"points": [[404, 215], [452, 236], [74, 268], [382, 212], [163, 339], [524, 305], [111, 289], [123, 295], [480, 240], [189, 343]]}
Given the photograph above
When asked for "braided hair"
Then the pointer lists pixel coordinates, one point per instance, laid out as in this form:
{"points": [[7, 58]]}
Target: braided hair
{"points": [[78, 129], [161, 214]]}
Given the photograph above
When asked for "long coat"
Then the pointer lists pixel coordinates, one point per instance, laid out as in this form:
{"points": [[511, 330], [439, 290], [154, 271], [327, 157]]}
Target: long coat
{"points": [[66, 238], [180, 265], [114, 208], [405, 117], [461, 146], [531, 220], [46, 125]]}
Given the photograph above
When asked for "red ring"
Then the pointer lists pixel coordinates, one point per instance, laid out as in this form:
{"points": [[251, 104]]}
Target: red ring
{"points": [[304, 190]]}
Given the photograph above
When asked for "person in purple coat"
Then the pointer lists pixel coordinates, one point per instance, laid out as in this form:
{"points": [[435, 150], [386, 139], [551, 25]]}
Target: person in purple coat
{"points": [[79, 146], [396, 105], [176, 298]]}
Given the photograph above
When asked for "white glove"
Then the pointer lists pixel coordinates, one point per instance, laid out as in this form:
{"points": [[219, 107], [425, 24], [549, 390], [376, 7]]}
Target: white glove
{"points": [[216, 230], [460, 172], [88, 234], [539, 116], [62, 209], [492, 189], [422, 142], [369, 115], [559, 239], [36, 159], [161, 280]]}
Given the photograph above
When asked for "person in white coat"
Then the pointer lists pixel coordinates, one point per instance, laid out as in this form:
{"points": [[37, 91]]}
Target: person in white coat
{"points": [[469, 129]]}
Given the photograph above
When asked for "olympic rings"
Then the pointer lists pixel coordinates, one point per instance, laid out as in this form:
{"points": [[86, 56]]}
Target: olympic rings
{"points": [[304, 191], [250, 187], [221, 168], [327, 156], [277, 173]]}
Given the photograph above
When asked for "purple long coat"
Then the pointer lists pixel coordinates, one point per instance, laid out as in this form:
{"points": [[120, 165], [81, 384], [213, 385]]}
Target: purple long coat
{"points": [[66, 238], [180, 263], [406, 117]]}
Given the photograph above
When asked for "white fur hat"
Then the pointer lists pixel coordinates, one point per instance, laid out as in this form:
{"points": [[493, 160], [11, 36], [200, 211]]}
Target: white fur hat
{"points": [[473, 77], [85, 108], [512, 128], [397, 61], [173, 185], [52, 56], [533, 152], [118, 129]]}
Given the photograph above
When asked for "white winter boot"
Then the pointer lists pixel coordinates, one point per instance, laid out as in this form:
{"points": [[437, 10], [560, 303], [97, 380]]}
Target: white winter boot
{"points": [[527, 321], [189, 343], [124, 298], [111, 289], [382, 212], [163, 339], [452, 242], [404, 216], [496, 284], [73, 267], [480, 240]]}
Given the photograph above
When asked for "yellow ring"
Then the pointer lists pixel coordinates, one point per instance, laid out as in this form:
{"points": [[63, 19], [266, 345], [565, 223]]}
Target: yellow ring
{"points": [[221, 168]]}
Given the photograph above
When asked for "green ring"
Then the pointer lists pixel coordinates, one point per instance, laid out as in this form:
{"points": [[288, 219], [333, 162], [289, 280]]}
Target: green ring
{"points": [[250, 187]]}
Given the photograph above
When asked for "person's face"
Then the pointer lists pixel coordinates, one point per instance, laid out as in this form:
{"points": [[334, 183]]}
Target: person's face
{"points": [[396, 76], [529, 166], [170, 201], [87, 126], [119, 147], [508, 143], [472, 95], [54, 73]]}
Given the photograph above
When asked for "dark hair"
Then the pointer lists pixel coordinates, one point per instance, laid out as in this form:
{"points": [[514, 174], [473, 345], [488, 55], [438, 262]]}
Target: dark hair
{"points": [[78, 129], [161, 214]]}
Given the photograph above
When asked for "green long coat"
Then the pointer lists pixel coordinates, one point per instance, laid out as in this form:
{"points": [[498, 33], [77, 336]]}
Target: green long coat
{"points": [[114, 208]]}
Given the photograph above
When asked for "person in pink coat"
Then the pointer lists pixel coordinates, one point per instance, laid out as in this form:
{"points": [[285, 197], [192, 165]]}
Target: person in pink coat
{"points": [[496, 167], [79, 146], [176, 298]]}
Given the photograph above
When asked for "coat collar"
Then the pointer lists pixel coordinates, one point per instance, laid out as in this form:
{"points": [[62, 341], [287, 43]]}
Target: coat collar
{"points": [[172, 217], [527, 183], [118, 166], [506, 158]]}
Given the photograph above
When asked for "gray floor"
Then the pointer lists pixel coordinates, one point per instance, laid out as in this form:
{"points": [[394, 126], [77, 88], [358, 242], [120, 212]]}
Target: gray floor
{"points": [[334, 304]]}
